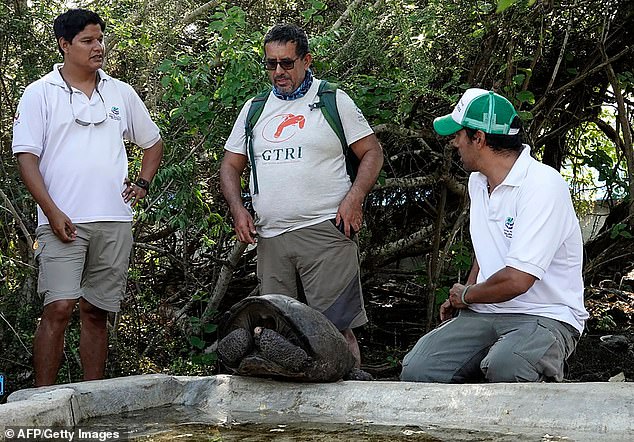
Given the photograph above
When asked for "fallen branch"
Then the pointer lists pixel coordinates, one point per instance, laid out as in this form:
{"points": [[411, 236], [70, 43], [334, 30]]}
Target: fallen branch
{"points": [[226, 272], [390, 249]]}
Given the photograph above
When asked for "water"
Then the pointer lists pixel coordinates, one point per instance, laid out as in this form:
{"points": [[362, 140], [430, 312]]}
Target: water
{"points": [[189, 424], [287, 433]]}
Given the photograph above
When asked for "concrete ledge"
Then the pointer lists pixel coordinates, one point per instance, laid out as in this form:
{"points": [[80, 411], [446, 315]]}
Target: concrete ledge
{"points": [[42, 408], [100, 398], [580, 411]]}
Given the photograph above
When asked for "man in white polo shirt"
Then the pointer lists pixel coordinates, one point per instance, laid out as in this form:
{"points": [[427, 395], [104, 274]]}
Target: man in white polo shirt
{"points": [[68, 137], [521, 312]]}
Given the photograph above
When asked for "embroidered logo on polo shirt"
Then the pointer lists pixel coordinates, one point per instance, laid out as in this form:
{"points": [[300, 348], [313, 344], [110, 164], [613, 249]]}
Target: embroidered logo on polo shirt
{"points": [[16, 119], [114, 113], [508, 227]]}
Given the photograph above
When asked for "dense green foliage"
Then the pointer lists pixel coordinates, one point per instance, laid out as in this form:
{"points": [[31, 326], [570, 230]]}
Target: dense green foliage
{"points": [[404, 63]]}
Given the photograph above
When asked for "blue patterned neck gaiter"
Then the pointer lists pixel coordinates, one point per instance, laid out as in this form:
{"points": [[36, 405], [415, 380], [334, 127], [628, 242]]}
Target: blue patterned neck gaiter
{"points": [[300, 91]]}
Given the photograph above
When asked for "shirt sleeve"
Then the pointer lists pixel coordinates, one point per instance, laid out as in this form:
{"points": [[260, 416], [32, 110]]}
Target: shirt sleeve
{"points": [[29, 124], [355, 126], [236, 141], [140, 129]]}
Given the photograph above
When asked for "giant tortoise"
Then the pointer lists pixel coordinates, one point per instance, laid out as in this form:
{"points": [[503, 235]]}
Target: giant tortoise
{"points": [[280, 337]]}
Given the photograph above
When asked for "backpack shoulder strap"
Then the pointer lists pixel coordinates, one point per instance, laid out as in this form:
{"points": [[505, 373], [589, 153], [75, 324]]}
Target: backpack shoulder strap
{"points": [[327, 94], [255, 110]]}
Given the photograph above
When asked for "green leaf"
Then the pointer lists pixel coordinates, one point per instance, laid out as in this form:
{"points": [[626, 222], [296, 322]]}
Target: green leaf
{"points": [[525, 115], [210, 357], [620, 230], [217, 25], [165, 65], [478, 33], [210, 328], [197, 342], [442, 294], [519, 79], [503, 5], [526, 97]]}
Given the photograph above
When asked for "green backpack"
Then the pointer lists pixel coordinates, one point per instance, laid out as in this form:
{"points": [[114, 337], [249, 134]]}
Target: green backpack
{"points": [[327, 94]]}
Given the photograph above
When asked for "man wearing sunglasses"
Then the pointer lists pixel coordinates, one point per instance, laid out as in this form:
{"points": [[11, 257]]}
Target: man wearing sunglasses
{"points": [[68, 137], [307, 208]]}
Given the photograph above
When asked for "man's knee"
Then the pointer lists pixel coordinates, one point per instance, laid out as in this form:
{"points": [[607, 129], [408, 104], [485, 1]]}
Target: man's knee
{"points": [[425, 370], [92, 313], [509, 368], [58, 313], [420, 365], [415, 371]]}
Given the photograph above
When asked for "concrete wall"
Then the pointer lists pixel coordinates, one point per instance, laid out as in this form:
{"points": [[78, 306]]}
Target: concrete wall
{"points": [[577, 411]]}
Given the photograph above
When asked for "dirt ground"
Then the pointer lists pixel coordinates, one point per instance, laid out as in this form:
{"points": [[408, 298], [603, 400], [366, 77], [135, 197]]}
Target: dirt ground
{"points": [[605, 350]]}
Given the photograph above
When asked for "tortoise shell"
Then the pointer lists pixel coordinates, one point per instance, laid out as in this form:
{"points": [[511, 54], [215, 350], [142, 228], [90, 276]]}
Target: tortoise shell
{"points": [[308, 347]]}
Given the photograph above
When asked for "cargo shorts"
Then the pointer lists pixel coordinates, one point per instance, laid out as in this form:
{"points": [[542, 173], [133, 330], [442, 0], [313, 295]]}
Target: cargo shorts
{"points": [[327, 264], [94, 266]]}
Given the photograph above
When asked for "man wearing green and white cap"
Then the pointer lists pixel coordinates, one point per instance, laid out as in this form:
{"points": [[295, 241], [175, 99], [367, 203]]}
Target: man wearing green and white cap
{"points": [[520, 314]]}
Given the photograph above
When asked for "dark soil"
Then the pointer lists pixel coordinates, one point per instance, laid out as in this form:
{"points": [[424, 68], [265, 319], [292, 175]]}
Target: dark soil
{"points": [[397, 318]]}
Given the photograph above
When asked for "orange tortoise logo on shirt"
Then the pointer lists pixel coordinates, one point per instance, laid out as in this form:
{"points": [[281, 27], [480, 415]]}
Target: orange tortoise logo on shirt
{"points": [[283, 127]]}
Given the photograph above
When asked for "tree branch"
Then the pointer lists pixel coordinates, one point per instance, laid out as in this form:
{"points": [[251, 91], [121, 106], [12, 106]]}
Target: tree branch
{"points": [[452, 184], [198, 12], [18, 219], [562, 51], [226, 273], [626, 130], [580, 78], [392, 248], [344, 16]]}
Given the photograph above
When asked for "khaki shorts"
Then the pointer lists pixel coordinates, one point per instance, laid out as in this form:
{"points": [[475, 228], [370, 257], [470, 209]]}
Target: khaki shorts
{"points": [[94, 266], [327, 263]]}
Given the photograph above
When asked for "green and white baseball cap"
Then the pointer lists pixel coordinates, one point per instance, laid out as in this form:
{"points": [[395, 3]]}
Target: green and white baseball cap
{"points": [[479, 109]]}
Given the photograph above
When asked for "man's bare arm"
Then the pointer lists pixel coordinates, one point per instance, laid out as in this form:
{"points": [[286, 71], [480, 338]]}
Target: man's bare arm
{"points": [[150, 162], [61, 225], [231, 169], [370, 155]]}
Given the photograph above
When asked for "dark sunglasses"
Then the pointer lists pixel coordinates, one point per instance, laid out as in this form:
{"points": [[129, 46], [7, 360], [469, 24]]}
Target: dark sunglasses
{"points": [[271, 65]]}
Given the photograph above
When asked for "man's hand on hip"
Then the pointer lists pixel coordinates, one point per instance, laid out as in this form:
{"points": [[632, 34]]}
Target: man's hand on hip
{"points": [[133, 193]]}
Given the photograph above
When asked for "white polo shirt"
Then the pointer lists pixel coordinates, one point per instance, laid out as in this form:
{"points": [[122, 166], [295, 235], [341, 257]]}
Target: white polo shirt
{"points": [[83, 167], [528, 223], [300, 165]]}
